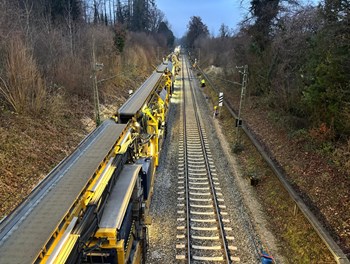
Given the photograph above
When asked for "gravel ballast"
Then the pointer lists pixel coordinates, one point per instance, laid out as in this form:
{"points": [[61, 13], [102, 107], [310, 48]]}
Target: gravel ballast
{"points": [[162, 232]]}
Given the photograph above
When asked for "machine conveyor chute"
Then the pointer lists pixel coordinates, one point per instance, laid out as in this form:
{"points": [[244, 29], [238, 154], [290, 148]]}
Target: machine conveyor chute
{"points": [[118, 202]]}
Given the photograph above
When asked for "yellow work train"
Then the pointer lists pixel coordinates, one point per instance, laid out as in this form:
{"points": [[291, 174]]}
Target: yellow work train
{"points": [[93, 207]]}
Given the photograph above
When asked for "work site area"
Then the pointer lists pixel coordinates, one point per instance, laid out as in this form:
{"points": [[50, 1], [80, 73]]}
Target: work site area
{"points": [[151, 132]]}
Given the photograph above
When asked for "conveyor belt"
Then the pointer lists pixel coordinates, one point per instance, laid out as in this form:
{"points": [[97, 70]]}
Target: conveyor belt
{"points": [[161, 68], [119, 199], [135, 103], [40, 215], [138, 99]]}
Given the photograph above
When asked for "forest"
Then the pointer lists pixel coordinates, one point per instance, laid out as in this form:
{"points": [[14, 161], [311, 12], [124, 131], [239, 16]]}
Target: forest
{"points": [[298, 54], [49, 48], [299, 64]]}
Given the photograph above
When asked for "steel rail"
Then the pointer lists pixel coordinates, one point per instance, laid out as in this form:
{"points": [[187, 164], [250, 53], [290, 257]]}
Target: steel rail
{"points": [[333, 247], [186, 170], [214, 195]]}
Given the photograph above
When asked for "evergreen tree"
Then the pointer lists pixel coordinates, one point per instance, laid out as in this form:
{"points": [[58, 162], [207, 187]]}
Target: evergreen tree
{"points": [[164, 30], [121, 14], [96, 14], [224, 31], [119, 37], [327, 78], [61, 9], [139, 15], [264, 12], [196, 29]]}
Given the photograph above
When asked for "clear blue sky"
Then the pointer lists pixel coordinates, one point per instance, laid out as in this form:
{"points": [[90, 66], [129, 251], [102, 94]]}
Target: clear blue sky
{"points": [[212, 12]]}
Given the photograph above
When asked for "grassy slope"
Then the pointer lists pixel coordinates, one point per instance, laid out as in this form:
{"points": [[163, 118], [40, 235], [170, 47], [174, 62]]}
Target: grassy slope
{"points": [[30, 147]]}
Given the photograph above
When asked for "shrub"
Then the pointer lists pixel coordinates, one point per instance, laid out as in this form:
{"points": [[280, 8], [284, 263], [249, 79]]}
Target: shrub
{"points": [[22, 87], [119, 37]]}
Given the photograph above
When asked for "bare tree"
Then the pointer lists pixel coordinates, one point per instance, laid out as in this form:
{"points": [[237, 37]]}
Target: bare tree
{"points": [[224, 31], [28, 5], [156, 17], [69, 21]]}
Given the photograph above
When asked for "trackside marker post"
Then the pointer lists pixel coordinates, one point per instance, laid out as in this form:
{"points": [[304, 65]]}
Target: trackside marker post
{"points": [[221, 102]]}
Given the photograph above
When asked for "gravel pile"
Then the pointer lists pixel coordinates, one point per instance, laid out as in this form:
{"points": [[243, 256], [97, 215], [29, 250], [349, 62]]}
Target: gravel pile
{"points": [[162, 232]]}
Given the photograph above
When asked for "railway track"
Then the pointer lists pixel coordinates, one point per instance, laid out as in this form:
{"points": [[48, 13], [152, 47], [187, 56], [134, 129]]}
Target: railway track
{"points": [[203, 232]]}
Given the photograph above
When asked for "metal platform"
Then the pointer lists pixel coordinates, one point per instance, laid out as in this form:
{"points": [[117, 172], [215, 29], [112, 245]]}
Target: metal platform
{"points": [[134, 104], [24, 233], [139, 98], [162, 67], [118, 201]]}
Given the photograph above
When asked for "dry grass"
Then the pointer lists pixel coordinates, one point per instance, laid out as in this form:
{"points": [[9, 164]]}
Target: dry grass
{"points": [[46, 138], [341, 156], [23, 88], [29, 149], [297, 239], [73, 75]]}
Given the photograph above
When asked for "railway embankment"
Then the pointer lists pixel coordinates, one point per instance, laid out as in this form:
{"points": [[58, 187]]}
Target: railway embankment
{"points": [[323, 184], [30, 147]]}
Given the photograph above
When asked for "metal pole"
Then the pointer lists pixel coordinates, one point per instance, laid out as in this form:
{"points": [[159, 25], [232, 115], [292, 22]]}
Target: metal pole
{"points": [[97, 103], [238, 120], [95, 87], [199, 55]]}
